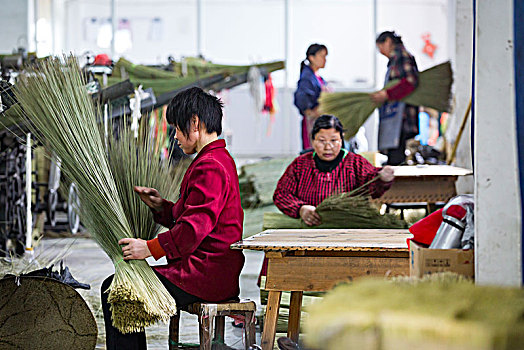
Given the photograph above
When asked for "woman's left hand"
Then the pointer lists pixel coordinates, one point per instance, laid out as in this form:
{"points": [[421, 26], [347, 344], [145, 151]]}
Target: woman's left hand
{"points": [[135, 248], [379, 97], [387, 174]]}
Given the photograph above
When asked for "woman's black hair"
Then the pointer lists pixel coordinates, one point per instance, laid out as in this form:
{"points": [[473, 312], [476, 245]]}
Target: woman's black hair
{"points": [[195, 101], [312, 51], [327, 121], [397, 39]]}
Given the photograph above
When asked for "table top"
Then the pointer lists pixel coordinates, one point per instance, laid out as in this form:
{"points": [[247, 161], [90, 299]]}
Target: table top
{"points": [[430, 170], [327, 239]]}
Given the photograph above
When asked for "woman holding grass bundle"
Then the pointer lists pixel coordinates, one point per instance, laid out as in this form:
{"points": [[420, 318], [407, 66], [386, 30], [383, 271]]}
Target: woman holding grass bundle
{"points": [[398, 121], [329, 169], [203, 223], [309, 87]]}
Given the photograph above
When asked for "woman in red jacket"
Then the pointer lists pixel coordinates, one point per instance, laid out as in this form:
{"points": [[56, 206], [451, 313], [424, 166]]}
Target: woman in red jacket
{"points": [[330, 169], [203, 223]]}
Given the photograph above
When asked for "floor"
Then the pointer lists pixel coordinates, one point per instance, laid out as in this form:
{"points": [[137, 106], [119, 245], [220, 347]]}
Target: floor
{"points": [[89, 264]]}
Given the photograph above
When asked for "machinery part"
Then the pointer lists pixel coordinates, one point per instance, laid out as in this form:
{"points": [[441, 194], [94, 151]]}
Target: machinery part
{"points": [[52, 204], [73, 209], [52, 190]]}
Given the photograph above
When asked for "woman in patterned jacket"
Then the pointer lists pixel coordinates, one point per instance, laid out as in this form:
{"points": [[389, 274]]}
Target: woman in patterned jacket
{"points": [[330, 169], [398, 121]]}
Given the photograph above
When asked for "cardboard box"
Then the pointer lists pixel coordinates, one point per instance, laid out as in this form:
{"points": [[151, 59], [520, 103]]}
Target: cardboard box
{"points": [[425, 261]]}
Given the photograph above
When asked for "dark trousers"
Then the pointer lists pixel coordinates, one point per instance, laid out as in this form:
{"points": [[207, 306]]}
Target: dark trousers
{"points": [[115, 340], [397, 156]]}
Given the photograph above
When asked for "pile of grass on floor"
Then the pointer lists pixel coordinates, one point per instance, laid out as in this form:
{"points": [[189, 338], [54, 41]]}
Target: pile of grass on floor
{"points": [[258, 181], [443, 311], [339, 211]]}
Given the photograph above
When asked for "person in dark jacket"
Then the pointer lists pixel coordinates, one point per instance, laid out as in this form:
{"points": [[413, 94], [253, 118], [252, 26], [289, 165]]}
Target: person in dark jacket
{"points": [[203, 223], [398, 121], [309, 87]]}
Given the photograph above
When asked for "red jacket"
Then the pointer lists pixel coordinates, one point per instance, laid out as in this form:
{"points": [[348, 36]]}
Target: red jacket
{"points": [[202, 224], [303, 184]]}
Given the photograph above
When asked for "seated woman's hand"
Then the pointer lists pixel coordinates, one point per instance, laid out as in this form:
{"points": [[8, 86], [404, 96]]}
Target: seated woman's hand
{"points": [[387, 174], [150, 196], [134, 248], [309, 215]]}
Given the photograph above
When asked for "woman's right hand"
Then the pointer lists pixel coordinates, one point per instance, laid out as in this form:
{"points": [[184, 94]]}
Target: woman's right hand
{"points": [[151, 197], [309, 215]]}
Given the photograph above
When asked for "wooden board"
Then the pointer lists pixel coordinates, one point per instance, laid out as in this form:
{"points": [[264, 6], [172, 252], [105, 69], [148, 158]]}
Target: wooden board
{"points": [[420, 189], [327, 239], [430, 170], [323, 273]]}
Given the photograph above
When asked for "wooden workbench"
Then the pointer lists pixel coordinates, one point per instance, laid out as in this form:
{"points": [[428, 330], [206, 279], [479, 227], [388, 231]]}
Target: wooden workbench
{"points": [[426, 183], [316, 260]]}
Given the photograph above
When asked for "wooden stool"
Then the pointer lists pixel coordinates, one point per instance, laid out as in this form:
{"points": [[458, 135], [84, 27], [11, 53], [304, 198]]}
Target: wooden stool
{"points": [[209, 312]]}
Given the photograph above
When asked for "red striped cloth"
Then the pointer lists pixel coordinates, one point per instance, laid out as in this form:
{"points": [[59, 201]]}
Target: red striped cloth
{"points": [[303, 184]]}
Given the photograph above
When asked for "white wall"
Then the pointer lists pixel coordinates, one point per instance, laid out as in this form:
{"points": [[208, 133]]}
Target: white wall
{"points": [[498, 223], [15, 17], [244, 32], [462, 68]]}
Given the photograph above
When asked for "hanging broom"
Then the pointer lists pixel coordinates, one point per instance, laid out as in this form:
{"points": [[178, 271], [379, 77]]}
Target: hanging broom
{"points": [[61, 114], [354, 108]]}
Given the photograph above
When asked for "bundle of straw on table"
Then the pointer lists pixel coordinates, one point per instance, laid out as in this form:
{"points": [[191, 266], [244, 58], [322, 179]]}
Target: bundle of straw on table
{"points": [[344, 210], [354, 108], [61, 114]]}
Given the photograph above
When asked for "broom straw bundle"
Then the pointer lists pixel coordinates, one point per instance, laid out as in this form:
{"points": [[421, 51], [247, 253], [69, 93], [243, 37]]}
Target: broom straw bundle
{"points": [[343, 210], [61, 114], [354, 108]]}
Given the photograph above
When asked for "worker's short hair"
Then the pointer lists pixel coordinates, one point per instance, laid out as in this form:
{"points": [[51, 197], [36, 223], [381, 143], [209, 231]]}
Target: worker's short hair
{"points": [[327, 121], [191, 102]]}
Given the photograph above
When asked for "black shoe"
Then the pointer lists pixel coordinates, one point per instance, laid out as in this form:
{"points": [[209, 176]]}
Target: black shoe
{"points": [[284, 343]]}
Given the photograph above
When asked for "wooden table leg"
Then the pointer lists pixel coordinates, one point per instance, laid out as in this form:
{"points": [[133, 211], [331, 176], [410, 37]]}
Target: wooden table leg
{"points": [[295, 309], [431, 207], [270, 321]]}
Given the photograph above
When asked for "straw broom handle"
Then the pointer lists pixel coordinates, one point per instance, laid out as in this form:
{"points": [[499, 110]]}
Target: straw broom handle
{"points": [[451, 158]]}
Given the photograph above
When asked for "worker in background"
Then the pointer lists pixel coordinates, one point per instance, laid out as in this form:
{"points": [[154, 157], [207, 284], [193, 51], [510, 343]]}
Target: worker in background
{"points": [[203, 223], [329, 169], [398, 121], [309, 87]]}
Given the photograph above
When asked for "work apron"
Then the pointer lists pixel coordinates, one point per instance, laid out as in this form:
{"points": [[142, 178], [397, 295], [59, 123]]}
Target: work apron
{"points": [[390, 126]]}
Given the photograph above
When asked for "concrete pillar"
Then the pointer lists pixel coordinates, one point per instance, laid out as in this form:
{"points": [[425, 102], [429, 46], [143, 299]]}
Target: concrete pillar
{"points": [[497, 189], [462, 62]]}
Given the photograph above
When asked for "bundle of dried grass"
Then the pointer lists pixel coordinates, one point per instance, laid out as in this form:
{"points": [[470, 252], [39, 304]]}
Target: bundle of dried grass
{"points": [[354, 108], [61, 114], [345, 210], [162, 81], [437, 312]]}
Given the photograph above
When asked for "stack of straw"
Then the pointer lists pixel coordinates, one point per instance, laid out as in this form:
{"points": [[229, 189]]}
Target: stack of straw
{"points": [[441, 311], [61, 114], [162, 81], [344, 210], [354, 108]]}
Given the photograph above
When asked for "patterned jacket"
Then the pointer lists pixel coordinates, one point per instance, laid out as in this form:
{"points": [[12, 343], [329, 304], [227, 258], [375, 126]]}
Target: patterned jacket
{"points": [[303, 184], [402, 66]]}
